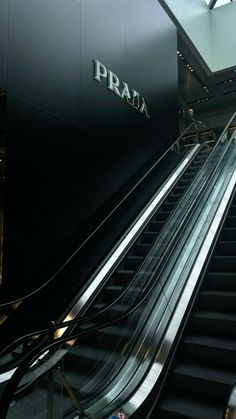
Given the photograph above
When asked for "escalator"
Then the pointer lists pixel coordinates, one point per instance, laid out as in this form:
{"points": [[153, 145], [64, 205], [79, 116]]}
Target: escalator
{"points": [[204, 366], [111, 346], [113, 343], [120, 281], [131, 262], [57, 296], [57, 292]]}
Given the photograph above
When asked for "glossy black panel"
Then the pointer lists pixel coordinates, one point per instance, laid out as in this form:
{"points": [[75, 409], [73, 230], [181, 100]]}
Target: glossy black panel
{"points": [[102, 36], [4, 7], [75, 147], [44, 55]]}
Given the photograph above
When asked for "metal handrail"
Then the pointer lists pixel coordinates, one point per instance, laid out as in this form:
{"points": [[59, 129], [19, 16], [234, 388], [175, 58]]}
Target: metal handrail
{"points": [[99, 226]]}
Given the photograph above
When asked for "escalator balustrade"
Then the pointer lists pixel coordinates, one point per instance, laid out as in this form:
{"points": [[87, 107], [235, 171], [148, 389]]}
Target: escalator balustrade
{"points": [[204, 367]]}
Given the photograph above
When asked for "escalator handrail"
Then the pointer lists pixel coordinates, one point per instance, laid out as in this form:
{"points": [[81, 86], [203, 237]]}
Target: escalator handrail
{"points": [[5, 304]]}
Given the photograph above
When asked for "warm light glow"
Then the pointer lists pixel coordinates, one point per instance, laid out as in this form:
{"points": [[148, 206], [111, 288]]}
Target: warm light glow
{"points": [[59, 332]]}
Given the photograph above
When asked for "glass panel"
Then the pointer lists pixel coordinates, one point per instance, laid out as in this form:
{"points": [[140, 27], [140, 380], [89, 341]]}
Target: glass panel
{"points": [[222, 2], [219, 2]]}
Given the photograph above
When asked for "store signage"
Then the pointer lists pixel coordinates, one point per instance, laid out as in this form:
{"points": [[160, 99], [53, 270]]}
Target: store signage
{"points": [[120, 88]]}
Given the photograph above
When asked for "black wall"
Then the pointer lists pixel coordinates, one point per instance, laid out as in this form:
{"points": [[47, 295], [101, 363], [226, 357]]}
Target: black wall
{"points": [[72, 144], [4, 8]]}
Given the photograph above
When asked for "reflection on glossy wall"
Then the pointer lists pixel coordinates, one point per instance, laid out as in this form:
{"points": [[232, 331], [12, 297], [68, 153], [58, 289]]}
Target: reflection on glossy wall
{"points": [[4, 9], [72, 142]]}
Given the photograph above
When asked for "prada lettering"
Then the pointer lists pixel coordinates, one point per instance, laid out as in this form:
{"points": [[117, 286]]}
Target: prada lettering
{"points": [[120, 88]]}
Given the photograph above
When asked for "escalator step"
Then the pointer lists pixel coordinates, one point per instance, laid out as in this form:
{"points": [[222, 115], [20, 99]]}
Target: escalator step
{"points": [[117, 309], [204, 151], [224, 281], [163, 215], [188, 175], [209, 351], [112, 292], [233, 210], [156, 226], [175, 407], [185, 182], [79, 380], [226, 248], [117, 331], [199, 381], [192, 169], [200, 156], [180, 189], [231, 221], [218, 301], [214, 324], [123, 276], [133, 262], [228, 234], [99, 339], [89, 353], [168, 206], [148, 237], [196, 164], [200, 159], [141, 249], [223, 264], [174, 197]]}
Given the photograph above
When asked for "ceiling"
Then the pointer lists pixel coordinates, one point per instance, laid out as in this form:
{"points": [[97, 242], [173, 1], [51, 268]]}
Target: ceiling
{"points": [[207, 93]]}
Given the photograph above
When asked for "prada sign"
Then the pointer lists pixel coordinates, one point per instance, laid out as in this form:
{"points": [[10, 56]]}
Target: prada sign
{"points": [[120, 88]]}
